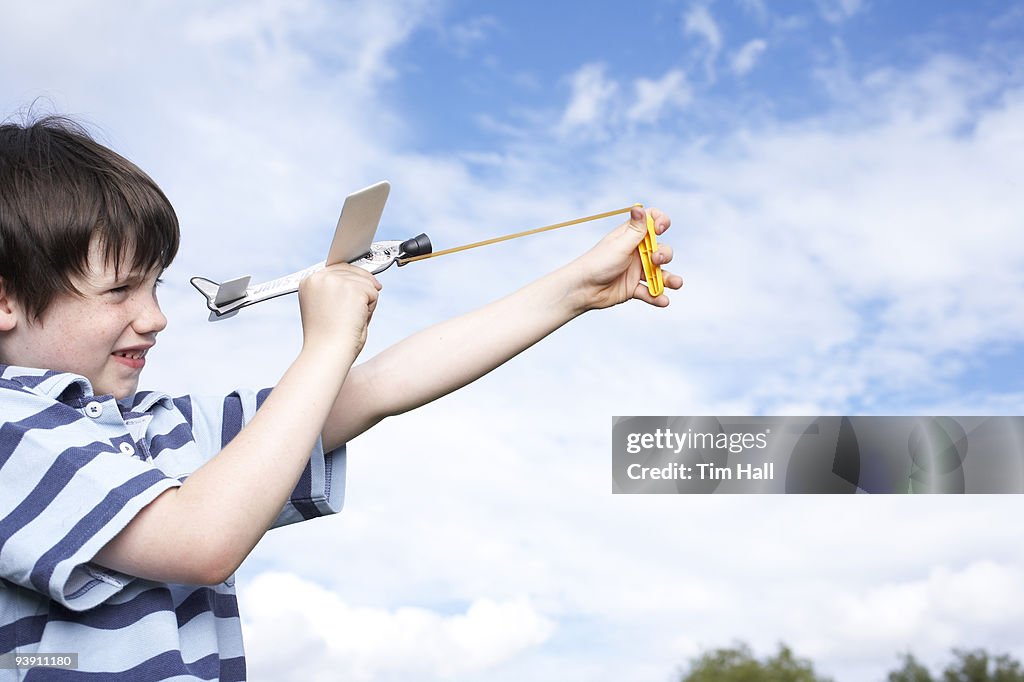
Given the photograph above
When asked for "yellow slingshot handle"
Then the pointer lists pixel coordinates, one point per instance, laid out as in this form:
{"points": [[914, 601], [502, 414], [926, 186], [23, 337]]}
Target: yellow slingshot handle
{"points": [[652, 271]]}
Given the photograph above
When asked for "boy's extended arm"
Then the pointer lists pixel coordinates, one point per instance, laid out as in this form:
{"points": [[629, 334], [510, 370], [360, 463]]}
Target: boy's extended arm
{"points": [[449, 355]]}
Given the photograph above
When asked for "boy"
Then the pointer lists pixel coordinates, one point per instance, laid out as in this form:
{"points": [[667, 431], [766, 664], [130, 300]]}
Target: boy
{"points": [[124, 514]]}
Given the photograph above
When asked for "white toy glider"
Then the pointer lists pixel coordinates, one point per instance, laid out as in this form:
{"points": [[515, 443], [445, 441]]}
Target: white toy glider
{"points": [[353, 243]]}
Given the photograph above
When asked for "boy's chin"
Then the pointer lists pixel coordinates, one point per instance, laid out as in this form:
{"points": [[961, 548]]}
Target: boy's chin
{"points": [[119, 390]]}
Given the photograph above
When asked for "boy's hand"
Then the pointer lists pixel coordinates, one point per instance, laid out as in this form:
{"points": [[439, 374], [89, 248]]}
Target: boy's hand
{"points": [[610, 273], [336, 305]]}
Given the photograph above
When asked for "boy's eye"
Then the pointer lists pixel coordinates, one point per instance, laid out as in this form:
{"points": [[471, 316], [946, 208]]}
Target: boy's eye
{"points": [[131, 284]]}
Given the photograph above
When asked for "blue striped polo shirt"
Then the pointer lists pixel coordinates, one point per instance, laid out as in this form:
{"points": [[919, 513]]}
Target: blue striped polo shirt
{"points": [[75, 468]]}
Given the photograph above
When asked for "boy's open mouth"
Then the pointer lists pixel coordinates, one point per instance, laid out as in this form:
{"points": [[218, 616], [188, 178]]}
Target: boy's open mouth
{"points": [[132, 357]]}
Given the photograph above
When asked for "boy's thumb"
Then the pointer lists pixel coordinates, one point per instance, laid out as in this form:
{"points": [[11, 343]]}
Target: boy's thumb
{"points": [[637, 224]]}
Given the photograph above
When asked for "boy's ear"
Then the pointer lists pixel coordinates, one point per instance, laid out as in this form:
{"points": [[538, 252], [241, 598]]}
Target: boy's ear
{"points": [[8, 309]]}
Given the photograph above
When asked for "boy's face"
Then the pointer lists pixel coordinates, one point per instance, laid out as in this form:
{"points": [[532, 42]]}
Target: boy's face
{"points": [[103, 335]]}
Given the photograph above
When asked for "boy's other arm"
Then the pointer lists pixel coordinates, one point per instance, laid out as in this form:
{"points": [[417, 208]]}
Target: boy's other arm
{"points": [[200, 532], [454, 353]]}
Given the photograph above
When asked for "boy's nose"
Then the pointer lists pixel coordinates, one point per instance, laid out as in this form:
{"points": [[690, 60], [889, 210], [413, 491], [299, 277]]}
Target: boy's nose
{"points": [[149, 319]]}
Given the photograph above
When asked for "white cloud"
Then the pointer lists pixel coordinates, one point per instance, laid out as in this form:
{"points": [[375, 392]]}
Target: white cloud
{"points": [[594, 107], [590, 97], [466, 35], [838, 11], [655, 97], [756, 8], [946, 609], [699, 22], [298, 630], [747, 56]]}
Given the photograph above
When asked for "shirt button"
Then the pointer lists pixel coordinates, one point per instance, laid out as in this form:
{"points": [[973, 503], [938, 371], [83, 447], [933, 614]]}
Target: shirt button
{"points": [[94, 409], [127, 449]]}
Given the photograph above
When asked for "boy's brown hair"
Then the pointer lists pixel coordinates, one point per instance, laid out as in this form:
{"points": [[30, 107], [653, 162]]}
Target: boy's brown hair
{"points": [[60, 189]]}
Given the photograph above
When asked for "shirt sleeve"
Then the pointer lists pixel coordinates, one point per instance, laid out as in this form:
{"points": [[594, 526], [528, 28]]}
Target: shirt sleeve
{"points": [[321, 487], [68, 488]]}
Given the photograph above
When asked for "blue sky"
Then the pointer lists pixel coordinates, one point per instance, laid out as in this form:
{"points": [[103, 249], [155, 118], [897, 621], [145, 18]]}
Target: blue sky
{"points": [[504, 62], [844, 180]]}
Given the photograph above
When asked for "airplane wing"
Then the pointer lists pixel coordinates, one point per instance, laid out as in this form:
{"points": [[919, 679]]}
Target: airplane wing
{"points": [[357, 224]]}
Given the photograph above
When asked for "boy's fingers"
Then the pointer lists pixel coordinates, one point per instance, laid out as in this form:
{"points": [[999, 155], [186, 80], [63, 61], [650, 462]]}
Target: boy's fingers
{"points": [[634, 230], [671, 282], [663, 254], [353, 271], [644, 295], [661, 220]]}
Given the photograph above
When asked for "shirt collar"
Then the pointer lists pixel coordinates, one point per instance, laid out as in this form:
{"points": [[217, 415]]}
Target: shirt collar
{"points": [[65, 385], [143, 401]]}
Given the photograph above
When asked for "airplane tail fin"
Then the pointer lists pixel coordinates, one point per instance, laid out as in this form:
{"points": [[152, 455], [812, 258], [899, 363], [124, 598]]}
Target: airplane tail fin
{"points": [[219, 294], [206, 287]]}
